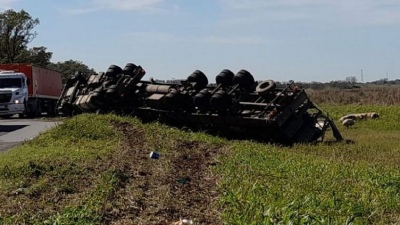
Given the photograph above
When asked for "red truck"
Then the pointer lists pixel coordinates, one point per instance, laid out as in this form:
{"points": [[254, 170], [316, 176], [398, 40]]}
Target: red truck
{"points": [[28, 90]]}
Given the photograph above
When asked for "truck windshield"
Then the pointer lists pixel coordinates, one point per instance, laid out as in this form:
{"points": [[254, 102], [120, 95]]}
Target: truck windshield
{"points": [[10, 83]]}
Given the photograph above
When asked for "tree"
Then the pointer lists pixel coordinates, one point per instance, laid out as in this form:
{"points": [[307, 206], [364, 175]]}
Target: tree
{"points": [[68, 68], [15, 34], [39, 57], [352, 80]]}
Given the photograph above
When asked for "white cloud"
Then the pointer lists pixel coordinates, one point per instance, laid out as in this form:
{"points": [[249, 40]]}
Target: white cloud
{"points": [[7, 4]]}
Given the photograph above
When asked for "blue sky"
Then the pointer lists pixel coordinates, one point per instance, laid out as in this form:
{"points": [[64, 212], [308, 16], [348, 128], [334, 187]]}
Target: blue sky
{"points": [[301, 40]]}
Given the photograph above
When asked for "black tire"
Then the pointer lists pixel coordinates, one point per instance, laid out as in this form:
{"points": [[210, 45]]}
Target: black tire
{"points": [[5, 117], [51, 109], [199, 78], [55, 109], [202, 99], [172, 98], [266, 87], [99, 90], [225, 78], [129, 69], [244, 79], [220, 100], [22, 115], [96, 99], [38, 112], [113, 71], [111, 96], [32, 112]]}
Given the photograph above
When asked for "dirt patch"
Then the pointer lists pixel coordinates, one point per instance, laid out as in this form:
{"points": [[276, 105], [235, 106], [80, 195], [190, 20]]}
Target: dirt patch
{"points": [[179, 185]]}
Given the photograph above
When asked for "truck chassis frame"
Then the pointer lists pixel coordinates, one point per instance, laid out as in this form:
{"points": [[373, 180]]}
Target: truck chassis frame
{"points": [[236, 104]]}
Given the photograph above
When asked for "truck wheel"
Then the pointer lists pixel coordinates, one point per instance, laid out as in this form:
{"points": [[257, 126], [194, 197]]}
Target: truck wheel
{"points": [[244, 79], [199, 78], [202, 99], [22, 115], [221, 100], [30, 109], [51, 110], [113, 71], [225, 78], [266, 87], [171, 100], [129, 68], [111, 95], [38, 111]]}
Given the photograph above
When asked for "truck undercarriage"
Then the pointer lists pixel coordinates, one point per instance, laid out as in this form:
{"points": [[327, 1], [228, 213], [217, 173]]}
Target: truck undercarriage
{"points": [[236, 104]]}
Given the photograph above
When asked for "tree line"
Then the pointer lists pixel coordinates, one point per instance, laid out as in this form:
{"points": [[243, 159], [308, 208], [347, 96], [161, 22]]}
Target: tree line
{"points": [[17, 31]]}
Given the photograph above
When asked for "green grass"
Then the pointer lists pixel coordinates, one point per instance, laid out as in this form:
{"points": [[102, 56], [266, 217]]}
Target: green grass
{"points": [[319, 184], [65, 177], [49, 165], [75, 173]]}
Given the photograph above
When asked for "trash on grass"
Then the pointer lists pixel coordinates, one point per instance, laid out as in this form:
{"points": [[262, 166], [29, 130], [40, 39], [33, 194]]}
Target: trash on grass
{"points": [[154, 155]]}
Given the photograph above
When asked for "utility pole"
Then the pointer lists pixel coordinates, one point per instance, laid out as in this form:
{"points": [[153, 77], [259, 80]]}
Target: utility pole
{"points": [[362, 76]]}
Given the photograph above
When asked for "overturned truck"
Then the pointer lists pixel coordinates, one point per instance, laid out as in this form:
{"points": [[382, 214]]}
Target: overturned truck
{"points": [[235, 104]]}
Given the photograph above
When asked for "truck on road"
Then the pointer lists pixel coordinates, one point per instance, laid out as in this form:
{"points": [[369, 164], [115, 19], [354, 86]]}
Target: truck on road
{"points": [[28, 90]]}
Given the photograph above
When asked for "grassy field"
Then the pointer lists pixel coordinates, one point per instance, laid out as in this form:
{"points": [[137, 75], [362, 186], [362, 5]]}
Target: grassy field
{"points": [[95, 169], [336, 183]]}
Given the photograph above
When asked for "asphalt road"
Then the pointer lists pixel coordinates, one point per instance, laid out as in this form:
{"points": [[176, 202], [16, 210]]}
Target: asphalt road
{"points": [[14, 131]]}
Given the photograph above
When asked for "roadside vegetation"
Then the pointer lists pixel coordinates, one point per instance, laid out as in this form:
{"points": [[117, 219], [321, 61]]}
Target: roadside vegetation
{"points": [[371, 95], [354, 182], [95, 169]]}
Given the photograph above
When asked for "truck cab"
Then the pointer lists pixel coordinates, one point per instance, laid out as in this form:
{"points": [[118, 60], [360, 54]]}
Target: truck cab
{"points": [[13, 93]]}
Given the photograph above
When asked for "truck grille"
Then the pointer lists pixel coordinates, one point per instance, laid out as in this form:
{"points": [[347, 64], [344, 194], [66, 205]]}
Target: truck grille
{"points": [[5, 98]]}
